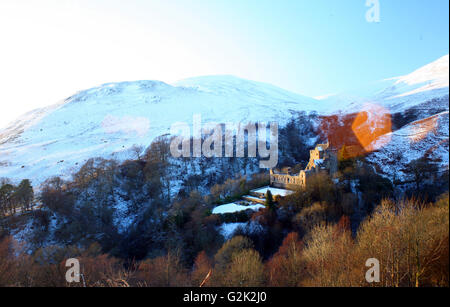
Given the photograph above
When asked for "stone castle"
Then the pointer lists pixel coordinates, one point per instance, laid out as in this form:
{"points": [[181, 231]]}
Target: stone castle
{"points": [[322, 158]]}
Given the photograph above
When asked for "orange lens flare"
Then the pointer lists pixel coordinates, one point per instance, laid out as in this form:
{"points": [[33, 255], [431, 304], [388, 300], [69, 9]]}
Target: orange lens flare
{"points": [[357, 134], [372, 127]]}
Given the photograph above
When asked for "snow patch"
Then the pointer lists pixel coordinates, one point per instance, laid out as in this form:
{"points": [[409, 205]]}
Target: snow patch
{"points": [[235, 207], [274, 191], [227, 229]]}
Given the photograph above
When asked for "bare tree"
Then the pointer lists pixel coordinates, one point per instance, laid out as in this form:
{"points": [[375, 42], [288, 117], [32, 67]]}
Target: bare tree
{"points": [[137, 150]]}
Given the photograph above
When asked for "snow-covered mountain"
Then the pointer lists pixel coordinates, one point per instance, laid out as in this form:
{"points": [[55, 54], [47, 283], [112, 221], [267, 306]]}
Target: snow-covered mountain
{"points": [[107, 120], [428, 83], [418, 104]]}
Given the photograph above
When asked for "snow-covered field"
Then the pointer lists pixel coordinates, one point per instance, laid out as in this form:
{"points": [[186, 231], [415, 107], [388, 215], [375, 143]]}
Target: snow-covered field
{"points": [[235, 207], [274, 191]]}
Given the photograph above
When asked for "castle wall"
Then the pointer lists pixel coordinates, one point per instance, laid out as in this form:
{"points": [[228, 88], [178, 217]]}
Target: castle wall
{"points": [[315, 154], [328, 164], [287, 181]]}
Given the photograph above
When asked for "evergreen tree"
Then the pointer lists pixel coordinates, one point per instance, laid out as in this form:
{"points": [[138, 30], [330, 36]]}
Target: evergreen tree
{"points": [[24, 194], [269, 200]]}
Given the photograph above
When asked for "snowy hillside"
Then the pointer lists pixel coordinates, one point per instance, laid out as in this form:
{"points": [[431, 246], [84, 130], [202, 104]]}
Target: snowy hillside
{"points": [[423, 138], [106, 121]]}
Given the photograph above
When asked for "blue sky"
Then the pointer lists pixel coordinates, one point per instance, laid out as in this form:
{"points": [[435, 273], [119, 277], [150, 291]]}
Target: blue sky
{"points": [[53, 48], [320, 46]]}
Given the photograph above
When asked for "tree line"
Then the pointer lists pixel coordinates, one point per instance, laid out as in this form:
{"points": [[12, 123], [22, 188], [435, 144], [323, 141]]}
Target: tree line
{"points": [[409, 238]]}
